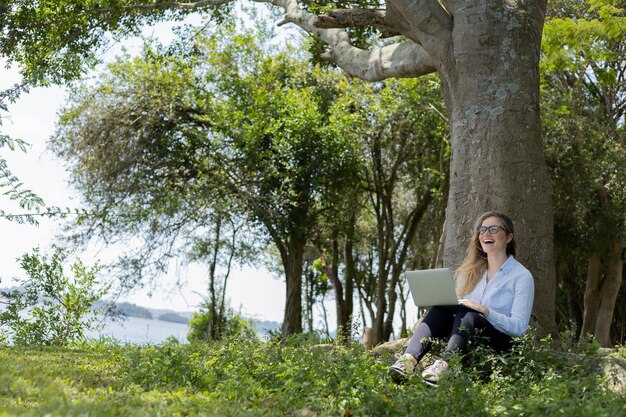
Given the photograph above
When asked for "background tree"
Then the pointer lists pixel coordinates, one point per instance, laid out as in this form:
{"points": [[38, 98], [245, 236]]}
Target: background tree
{"points": [[208, 128], [403, 139], [585, 105]]}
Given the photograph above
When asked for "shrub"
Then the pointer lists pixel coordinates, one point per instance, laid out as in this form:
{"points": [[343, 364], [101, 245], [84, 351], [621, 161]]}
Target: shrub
{"points": [[50, 308], [232, 324]]}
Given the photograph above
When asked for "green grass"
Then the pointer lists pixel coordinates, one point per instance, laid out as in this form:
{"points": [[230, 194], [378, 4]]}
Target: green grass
{"points": [[296, 378]]}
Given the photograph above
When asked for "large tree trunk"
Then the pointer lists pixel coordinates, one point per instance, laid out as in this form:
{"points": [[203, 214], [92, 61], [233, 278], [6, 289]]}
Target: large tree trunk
{"points": [[497, 163]]}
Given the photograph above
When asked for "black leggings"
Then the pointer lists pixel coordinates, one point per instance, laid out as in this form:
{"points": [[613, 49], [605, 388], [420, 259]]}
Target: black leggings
{"points": [[457, 323]]}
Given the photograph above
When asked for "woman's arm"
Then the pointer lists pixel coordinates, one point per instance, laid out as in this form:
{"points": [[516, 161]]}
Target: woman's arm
{"points": [[521, 307]]}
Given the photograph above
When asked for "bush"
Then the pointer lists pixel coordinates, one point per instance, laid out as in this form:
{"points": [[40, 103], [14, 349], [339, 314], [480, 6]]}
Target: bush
{"points": [[232, 324], [49, 308]]}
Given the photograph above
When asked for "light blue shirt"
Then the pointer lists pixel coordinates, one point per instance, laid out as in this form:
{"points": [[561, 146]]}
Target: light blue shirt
{"points": [[508, 296]]}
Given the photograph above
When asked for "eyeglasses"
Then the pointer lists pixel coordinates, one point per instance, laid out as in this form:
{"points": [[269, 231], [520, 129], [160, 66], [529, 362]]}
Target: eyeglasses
{"points": [[492, 229]]}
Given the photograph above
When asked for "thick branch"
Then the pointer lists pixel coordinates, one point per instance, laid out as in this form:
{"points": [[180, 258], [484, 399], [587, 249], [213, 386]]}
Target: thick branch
{"points": [[399, 60], [402, 60]]}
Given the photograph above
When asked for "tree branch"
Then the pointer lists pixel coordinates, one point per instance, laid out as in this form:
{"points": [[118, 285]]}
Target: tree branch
{"points": [[349, 18], [177, 5], [398, 60], [402, 60]]}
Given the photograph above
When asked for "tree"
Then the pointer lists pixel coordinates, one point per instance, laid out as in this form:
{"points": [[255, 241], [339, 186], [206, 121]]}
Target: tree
{"points": [[585, 83], [212, 249], [402, 138], [171, 140], [487, 57], [486, 54]]}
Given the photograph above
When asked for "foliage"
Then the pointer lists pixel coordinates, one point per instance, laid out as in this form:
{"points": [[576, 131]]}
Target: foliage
{"points": [[56, 41], [50, 308], [240, 377], [402, 185], [583, 110], [13, 188], [232, 325]]}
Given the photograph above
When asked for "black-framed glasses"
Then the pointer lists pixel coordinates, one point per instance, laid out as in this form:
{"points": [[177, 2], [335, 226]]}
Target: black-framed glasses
{"points": [[492, 229]]}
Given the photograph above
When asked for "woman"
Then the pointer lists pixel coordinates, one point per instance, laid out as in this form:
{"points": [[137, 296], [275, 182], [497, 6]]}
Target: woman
{"points": [[495, 295]]}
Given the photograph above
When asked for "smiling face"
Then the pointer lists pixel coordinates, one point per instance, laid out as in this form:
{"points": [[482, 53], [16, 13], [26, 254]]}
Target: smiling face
{"points": [[494, 243]]}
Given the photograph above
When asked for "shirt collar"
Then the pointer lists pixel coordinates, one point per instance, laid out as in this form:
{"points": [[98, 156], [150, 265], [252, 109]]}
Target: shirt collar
{"points": [[508, 264]]}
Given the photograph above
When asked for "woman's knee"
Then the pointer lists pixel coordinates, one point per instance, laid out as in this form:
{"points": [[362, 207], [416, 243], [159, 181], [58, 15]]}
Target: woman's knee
{"points": [[470, 319]]}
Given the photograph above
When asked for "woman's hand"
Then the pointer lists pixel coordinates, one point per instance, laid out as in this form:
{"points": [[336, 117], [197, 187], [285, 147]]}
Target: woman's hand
{"points": [[474, 306]]}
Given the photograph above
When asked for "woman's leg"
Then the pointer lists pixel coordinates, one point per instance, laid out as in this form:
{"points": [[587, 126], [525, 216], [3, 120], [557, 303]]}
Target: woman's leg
{"points": [[466, 322], [437, 324]]}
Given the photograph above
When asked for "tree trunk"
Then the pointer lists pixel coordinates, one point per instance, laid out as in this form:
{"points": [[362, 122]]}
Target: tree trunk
{"points": [[292, 321], [610, 290], [350, 278], [592, 294], [214, 324], [491, 86], [309, 300], [343, 327]]}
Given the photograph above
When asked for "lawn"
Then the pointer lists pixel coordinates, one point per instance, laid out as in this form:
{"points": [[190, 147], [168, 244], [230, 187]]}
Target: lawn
{"points": [[297, 377]]}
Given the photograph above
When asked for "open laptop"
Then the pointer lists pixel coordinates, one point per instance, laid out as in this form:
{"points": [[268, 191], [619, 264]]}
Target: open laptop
{"points": [[432, 287]]}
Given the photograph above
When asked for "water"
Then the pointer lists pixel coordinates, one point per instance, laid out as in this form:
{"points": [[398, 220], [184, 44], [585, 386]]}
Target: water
{"points": [[142, 331]]}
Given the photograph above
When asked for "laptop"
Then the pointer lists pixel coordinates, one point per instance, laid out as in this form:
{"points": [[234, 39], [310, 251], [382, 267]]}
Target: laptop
{"points": [[432, 287]]}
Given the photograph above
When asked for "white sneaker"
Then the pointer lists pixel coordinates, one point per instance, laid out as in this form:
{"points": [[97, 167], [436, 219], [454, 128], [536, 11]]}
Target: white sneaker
{"points": [[402, 370], [434, 372]]}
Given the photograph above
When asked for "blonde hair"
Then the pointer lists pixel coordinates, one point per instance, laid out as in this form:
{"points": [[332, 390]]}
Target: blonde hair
{"points": [[475, 263]]}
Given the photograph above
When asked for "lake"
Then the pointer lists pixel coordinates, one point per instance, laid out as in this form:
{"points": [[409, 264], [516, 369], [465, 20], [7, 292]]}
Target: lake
{"points": [[142, 331]]}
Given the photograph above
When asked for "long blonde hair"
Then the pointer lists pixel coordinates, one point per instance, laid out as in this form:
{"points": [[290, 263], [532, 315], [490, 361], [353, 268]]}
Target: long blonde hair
{"points": [[475, 263]]}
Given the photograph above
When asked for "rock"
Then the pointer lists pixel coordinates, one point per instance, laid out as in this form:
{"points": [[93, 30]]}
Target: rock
{"points": [[391, 347], [613, 369]]}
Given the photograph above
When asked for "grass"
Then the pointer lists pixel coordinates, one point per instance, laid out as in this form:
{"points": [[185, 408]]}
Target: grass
{"points": [[241, 377]]}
